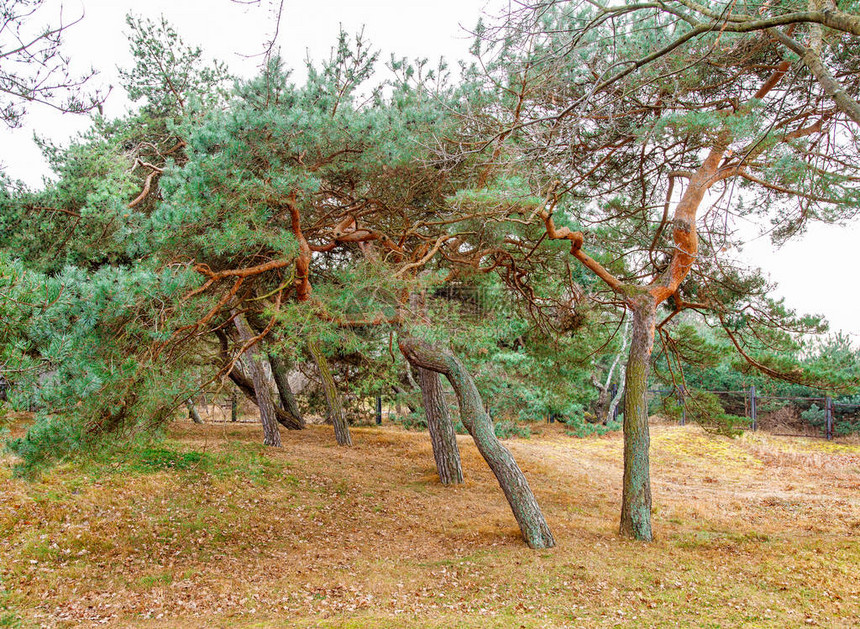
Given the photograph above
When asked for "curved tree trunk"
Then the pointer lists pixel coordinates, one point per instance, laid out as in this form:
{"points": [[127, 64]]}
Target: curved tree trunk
{"points": [[260, 380], [401, 396], [442, 435], [192, 411], [332, 398], [533, 526], [622, 374], [636, 493], [246, 386], [293, 416], [602, 402], [613, 404]]}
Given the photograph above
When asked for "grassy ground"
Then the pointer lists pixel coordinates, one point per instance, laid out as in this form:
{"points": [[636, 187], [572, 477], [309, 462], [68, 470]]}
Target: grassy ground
{"points": [[211, 529]]}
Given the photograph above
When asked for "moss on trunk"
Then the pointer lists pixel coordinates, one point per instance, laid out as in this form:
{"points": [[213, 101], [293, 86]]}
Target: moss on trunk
{"points": [[636, 492], [513, 482], [442, 435], [332, 397], [292, 415]]}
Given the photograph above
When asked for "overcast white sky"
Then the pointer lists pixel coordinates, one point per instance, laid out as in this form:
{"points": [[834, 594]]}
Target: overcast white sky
{"points": [[817, 273]]}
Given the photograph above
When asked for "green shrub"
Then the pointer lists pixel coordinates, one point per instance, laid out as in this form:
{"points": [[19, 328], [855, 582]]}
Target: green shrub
{"points": [[843, 424], [578, 426], [705, 409], [507, 429]]}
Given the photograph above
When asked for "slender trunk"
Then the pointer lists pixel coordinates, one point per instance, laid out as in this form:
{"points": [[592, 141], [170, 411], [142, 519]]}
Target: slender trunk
{"points": [[636, 494], [192, 411], [442, 435], [533, 526], [260, 380], [613, 403], [293, 416], [401, 393], [332, 398]]}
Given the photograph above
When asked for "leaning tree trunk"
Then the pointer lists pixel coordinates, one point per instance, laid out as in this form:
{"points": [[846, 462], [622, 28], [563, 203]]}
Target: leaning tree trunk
{"points": [[602, 402], [332, 398], [294, 419], [246, 386], [636, 492], [260, 380], [401, 394], [442, 434], [192, 411], [533, 526], [613, 403]]}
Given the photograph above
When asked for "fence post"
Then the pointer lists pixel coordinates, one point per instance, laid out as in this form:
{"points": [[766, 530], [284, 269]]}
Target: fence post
{"points": [[378, 410], [828, 417], [234, 408], [683, 405], [753, 408]]}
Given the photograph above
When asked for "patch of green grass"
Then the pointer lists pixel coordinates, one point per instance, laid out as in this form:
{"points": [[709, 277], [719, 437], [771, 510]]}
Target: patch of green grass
{"points": [[159, 459], [156, 580], [716, 540], [41, 551], [342, 488], [250, 461], [8, 616], [237, 460]]}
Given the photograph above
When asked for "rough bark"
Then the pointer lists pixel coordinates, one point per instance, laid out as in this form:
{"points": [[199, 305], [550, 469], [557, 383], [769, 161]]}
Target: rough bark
{"points": [[192, 411], [533, 526], [602, 402], [442, 435], [292, 415], [332, 398], [636, 499], [246, 386], [636, 495], [260, 381]]}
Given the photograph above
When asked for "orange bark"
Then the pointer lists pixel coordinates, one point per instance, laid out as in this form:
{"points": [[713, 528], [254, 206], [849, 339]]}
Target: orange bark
{"points": [[303, 261]]}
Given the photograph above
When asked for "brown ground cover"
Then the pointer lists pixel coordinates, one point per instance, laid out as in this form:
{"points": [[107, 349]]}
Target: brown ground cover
{"points": [[210, 529]]}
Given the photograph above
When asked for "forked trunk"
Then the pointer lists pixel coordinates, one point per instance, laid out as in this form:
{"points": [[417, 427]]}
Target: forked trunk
{"points": [[293, 416], [532, 524], [244, 384], [442, 434], [636, 493], [260, 380], [332, 398]]}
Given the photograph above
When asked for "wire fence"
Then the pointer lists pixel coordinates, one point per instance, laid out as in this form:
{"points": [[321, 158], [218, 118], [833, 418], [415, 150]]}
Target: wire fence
{"points": [[794, 416], [790, 416]]}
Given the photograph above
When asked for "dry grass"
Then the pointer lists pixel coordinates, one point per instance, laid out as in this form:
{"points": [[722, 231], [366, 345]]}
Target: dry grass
{"points": [[211, 529]]}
